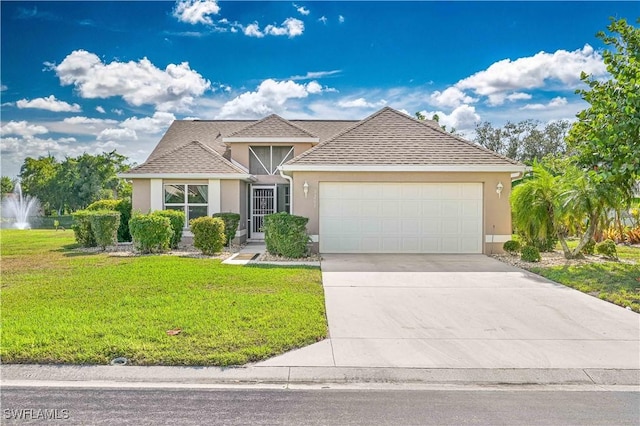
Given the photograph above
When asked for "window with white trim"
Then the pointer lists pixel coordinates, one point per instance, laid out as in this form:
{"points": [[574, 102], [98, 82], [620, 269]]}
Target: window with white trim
{"points": [[191, 199], [264, 160]]}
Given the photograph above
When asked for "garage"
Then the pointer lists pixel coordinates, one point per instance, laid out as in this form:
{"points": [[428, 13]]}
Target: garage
{"points": [[388, 217]]}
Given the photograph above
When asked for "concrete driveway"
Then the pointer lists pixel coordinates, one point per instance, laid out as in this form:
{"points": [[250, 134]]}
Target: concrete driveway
{"points": [[462, 311]]}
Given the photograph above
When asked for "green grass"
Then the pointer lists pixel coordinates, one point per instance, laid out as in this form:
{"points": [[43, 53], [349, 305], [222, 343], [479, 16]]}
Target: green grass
{"points": [[616, 282], [63, 306]]}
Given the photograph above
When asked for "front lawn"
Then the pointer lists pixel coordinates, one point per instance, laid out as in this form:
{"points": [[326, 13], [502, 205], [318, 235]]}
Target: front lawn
{"points": [[616, 282], [60, 305]]}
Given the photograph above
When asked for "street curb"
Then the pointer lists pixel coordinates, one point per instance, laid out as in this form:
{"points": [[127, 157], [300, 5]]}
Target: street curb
{"points": [[318, 375]]}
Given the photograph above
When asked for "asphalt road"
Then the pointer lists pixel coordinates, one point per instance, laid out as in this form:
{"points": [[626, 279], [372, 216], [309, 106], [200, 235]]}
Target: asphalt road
{"points": [[318, 407]]}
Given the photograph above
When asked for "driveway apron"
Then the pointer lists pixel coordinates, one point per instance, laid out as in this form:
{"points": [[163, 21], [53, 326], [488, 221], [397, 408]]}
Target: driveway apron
{"points": [[462, 311]]}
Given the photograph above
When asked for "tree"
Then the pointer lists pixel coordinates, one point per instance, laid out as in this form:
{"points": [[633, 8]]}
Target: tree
{"points": [[38, 179], [606, 136], [435, 117], [7, 185], [525, 141]]}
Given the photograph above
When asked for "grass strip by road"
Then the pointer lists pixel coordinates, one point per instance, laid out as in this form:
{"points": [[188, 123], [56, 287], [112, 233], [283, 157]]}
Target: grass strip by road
{"points": [[60, 305]]}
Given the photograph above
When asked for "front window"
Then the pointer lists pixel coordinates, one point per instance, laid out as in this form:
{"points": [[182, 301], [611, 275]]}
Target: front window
{"points": [[191, 199], [264, 160]]}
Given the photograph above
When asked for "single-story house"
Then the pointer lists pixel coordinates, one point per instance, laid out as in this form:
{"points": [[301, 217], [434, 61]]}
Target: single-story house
{"points": [[386, 184]]}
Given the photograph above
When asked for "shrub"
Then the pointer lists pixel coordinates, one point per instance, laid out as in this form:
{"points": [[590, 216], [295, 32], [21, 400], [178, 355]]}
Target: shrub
{"points": [[286, 235], [82, 228], [607, 248], [530, 254], [512, 247], [104, 227], [231, 221], [208, 234], [177, 219], [633, 235], [589, 247], [122, 206], [151, 233]]}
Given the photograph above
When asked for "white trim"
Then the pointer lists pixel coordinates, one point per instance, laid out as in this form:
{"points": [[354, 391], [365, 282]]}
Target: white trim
{"points": [[489, 238], [314, 238], [156, 192], [241, 176], [241, 232], [213, 195], [271, 140], [396, 168]]}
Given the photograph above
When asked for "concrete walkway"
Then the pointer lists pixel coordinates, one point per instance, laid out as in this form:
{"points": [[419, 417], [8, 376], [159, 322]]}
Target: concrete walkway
{"points": [[462, 312]]}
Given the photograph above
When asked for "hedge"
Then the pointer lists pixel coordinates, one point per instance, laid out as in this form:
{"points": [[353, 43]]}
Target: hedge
{"points": [[231, 221], [286, 235], [82, 228], [208, 234], [124, 207], [177, 219], [151, 233], [104, 227], [607, 248]]}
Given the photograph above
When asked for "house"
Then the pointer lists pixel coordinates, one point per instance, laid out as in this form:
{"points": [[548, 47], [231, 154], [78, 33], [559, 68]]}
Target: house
{"points": [[386, 184]]}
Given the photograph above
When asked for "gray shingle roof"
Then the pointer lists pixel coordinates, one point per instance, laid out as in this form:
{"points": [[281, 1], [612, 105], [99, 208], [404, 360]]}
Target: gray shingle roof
{"points": [[194, 157], [272, 126], [390, 137]]}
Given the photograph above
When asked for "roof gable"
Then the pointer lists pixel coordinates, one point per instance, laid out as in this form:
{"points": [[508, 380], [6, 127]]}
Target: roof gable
{"points": [[192, 158], [389, 137], [272, 126]]}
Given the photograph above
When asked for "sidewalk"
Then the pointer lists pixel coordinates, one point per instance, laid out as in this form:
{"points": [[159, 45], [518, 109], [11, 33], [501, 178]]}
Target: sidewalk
{"points": [[116, 376]]}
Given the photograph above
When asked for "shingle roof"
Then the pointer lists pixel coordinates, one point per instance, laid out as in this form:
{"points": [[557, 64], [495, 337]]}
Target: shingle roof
{"points": [[272, 126], [194, 157], [390, 137]]}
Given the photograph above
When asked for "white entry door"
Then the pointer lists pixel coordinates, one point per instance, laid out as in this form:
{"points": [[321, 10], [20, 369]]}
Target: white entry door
{"points": [[358, 217], [263, 202]]}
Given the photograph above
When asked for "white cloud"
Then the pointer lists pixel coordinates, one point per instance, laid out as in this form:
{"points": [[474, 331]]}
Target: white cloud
{"points": [[315, 74], [3, 88], [100, 110], [556, 102], [139, 83], [23, 129], [361, 103], [117, 111], [151, 125], [323, 19], [534, 72], [291, 27], [462, 118], [270, 97], [111, 134], [301, 10], [86, 120], [50, 103], [253, 30], [451, 97], [196, 11], [341, 19], [314, 87]]}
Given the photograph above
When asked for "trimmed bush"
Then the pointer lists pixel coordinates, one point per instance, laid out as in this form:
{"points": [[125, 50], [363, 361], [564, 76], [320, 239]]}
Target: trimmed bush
{"points": [[208, 234], [607, 248], [231, 221], [530, 254], [122, 206], [512, 247], [286, 235], [151, 233], [177, 219], [82, 228], [104, 227], [589, 248]]}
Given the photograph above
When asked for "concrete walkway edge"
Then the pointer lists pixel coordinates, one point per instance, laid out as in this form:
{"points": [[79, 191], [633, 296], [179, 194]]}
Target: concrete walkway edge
{"points": [[16, 374]]}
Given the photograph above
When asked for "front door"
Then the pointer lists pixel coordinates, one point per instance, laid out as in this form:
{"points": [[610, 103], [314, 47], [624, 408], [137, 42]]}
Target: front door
{"points": [[263, 202]]}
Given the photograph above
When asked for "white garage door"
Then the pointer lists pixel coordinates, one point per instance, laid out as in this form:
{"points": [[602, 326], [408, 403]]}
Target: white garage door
{"points": [[358, 217]]}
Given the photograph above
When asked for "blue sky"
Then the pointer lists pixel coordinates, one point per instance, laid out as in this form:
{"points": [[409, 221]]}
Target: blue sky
{"points": [[96, 76]]}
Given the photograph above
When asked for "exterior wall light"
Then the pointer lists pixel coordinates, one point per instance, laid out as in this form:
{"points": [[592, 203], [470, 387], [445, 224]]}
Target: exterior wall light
{"points": [[499, 189], [305, 188]]}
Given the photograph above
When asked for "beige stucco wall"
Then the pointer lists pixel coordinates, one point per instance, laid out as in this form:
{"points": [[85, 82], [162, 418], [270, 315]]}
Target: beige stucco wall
{"points": [[240, 150], [496, 210], [141, 195]]}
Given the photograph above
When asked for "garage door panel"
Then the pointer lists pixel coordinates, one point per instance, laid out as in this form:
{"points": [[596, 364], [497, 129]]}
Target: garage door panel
{"points": [[400, 217]]}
